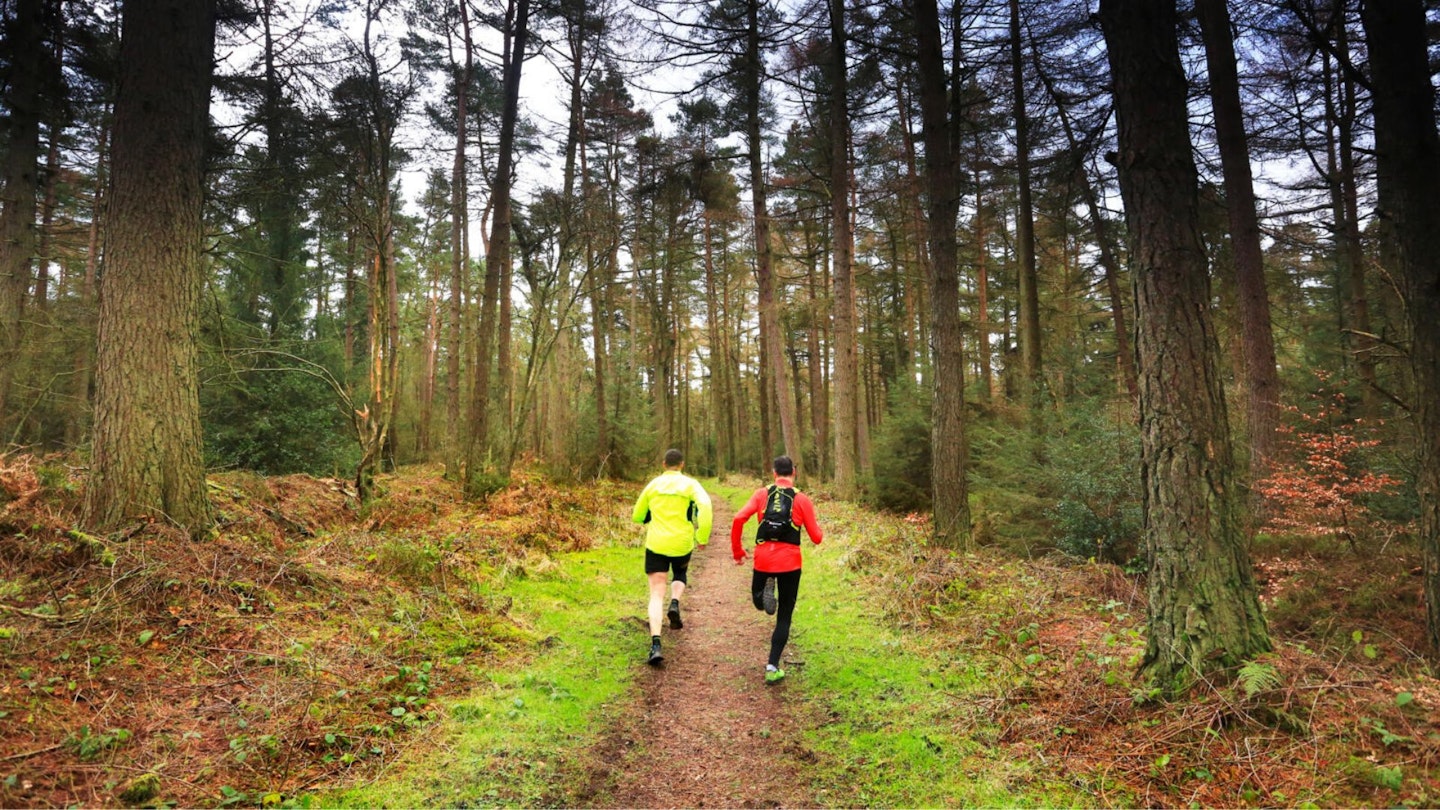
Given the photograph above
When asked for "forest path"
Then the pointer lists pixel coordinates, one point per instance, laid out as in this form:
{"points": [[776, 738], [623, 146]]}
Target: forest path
{"points": [[705, 730]]}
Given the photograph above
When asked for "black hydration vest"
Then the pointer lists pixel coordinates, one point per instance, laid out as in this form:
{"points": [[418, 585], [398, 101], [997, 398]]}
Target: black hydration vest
{"points": [[776, 522]]}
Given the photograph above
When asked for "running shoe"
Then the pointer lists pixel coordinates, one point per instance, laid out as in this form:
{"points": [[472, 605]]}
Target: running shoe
{"points": [[655, 657], [768, 596], [773, 674], [674, 614]]}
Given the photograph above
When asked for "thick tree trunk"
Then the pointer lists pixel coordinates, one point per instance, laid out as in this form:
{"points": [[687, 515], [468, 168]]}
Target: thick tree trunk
{"points": [[773, 342], [1407, 158], [19, 181], [1261, 377], [951, 501], [1204, 609], [147, 447], [847, 372]]}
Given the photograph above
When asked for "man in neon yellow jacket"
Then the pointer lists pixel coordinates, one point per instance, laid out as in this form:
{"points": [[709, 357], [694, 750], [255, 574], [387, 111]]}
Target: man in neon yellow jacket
{"points": [[677, 514]]}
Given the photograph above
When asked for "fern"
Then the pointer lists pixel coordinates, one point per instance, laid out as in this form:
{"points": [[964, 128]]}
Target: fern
{"points": [[1257, 677]]}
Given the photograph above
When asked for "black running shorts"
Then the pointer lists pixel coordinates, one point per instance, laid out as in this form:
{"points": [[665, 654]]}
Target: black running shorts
{"points": [[660, 563]]}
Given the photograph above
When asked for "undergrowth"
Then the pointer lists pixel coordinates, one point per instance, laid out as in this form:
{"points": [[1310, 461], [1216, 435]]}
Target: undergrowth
{"points": [[947, 678], [305, 643]]}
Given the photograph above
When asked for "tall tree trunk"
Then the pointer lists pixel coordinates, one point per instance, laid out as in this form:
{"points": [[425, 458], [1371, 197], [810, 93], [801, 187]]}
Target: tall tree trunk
{"points": [[1104, 241], [982, 288], [374, 421], [1029, 315], [847, 371], [459, 255], [712, 333], [1261, 377], [772, 340], [147, 447], [19, 181], [1407, 159], [815, 347], [498, 258], [950, 490], [1204, 609], [75, 426], [1344, 195]]}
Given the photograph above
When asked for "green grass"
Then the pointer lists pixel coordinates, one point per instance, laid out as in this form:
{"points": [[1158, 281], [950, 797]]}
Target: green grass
{"points": [[899, 726], [894, 715], [517, 739]]}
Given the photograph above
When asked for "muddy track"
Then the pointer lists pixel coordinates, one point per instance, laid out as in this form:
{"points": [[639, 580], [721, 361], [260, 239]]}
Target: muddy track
{"points": [[705, 730]]}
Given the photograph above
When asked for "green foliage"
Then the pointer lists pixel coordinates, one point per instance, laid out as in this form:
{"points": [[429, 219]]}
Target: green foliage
{"points": [[276, 422], [511, 743], [1095, 471], [901, 453], [1258, 676], [88, 745]]}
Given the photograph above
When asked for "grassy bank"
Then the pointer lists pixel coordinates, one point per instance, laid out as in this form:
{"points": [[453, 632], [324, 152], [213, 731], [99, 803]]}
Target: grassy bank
{"points": [[515, 740], [882, 695]]}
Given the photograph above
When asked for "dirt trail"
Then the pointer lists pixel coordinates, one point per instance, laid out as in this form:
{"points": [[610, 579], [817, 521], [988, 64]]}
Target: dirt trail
{"points": [[706, 730]]}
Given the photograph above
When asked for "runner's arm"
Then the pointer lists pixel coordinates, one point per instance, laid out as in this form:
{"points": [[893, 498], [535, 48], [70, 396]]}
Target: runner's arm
{"points": [[642, 506], [706, 517], [737, 526], [806, 508]]}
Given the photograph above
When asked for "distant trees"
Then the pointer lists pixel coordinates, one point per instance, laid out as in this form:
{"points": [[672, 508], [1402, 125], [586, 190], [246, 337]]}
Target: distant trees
{"points": [[929, 239]]}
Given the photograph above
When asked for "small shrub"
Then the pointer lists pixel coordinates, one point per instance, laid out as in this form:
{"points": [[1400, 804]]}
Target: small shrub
{"points": [[1320, 485], [901, 453], [1095, 464], [88, 745]]}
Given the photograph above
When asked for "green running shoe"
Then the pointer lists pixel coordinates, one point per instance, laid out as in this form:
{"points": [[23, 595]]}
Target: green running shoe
{"points": [[767, 596], [773, 675]]}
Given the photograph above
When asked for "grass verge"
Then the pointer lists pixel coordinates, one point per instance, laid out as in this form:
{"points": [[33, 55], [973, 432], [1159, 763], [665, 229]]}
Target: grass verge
{"points": [[515, 739]]}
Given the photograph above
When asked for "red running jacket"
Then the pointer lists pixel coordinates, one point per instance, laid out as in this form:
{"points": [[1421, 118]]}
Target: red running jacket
{"points": [[775, 558]]}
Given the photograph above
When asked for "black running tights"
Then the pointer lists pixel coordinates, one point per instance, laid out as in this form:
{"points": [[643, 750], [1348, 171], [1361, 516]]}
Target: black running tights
{"points": [[787, 588]]}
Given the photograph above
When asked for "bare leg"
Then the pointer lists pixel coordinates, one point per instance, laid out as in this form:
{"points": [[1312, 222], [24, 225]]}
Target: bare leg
{"points": [[657, 600]]}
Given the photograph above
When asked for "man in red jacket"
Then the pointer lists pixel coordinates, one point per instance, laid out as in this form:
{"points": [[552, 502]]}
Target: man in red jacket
{"points": [[781, 511]]}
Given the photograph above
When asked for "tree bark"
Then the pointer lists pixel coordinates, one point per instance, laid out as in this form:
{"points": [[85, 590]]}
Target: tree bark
{"points": [[498, 257], [1407, 156], [147, 446], [19, 181], [773, 342], [459, 255], [1204, 609], [951, 500], [847, 371], [1261, 377], [1029, 304]]}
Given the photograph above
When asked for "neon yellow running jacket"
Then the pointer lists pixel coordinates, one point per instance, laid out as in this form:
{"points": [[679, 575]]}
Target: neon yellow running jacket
{"points": [[677, 514]]}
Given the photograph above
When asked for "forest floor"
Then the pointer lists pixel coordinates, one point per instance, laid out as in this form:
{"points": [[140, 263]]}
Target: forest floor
{"points": [[426, 651]]}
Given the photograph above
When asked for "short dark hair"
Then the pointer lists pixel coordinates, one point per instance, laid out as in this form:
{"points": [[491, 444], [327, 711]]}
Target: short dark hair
{"points": [[784, 465], [674, 458]]}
